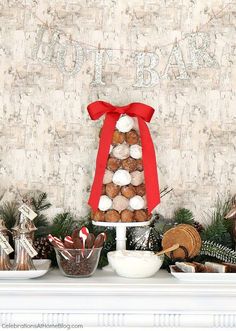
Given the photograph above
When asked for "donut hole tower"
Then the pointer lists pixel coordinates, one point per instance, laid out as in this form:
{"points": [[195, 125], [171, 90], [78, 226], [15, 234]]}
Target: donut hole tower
{"points": [[125, 187]]}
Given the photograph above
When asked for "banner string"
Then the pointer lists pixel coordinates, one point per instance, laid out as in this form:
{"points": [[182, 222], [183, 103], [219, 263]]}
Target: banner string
{"points": [[215, 16]]}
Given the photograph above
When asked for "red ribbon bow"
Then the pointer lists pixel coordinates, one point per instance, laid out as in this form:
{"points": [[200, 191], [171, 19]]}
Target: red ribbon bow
{"points": [[144, 114]]}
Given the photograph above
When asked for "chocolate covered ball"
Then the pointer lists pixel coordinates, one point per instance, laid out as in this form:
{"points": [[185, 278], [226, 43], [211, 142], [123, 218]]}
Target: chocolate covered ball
{"points": [[139, 164], [108, 177], [132, 137], [98, 216], [112, 216], [113, 164], [140, 190], [127, 216], [129, 164], [112, 190], [137, 178], [120, 203], [141, 215], [128, 191], [118, 137], [121, 151]]}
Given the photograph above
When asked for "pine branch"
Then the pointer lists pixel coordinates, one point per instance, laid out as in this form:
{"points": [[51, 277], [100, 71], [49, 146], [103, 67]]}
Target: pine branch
{"points": [[219, 229], [62, 225], [218, 251], [183, 215], [9, 213], [40, 202]]}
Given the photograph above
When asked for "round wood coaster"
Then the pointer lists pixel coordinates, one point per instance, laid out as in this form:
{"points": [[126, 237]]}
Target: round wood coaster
{"points": [[196, 238], [178, 235]]}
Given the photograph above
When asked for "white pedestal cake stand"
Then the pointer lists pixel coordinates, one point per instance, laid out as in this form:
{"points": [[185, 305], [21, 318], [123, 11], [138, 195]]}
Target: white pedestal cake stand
{"points": [[120, 233]]}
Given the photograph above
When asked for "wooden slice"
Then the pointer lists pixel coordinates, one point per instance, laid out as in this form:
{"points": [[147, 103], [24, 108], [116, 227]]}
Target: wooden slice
{"points": [[178, 235], [198, 240]]}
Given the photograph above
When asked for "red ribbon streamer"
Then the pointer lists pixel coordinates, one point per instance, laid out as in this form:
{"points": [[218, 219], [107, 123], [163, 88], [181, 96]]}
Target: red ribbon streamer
{"points": [[144, 114]]}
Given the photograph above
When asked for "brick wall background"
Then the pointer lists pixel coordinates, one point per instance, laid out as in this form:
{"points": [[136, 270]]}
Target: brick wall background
{"points": [[48, 141]]}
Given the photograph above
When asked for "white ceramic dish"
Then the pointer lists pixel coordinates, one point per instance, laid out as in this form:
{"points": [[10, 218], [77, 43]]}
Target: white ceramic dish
{"points": [[42, 267], [204, 277], [135, 264]]}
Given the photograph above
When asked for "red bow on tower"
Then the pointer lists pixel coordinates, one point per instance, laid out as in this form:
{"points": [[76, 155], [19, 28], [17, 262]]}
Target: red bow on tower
{"points": [[144, 114]]}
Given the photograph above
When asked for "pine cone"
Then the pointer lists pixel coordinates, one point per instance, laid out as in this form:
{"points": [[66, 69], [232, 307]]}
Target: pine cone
{"points": [[44, 248], [198, 226]]}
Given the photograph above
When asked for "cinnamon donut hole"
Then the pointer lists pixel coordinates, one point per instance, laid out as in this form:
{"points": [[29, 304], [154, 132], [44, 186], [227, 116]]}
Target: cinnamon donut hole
{"points": [[98, 216], [140, 215], [129, 164], [113, 164], [140, 190], [112, 190], [112, 216], [139, 165], [127, 216], [132, 137], [118, 137], [128, 191]]}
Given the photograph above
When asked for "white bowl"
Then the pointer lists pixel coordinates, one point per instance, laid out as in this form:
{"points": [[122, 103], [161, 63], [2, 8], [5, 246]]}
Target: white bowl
{"points": [[135, 264]]}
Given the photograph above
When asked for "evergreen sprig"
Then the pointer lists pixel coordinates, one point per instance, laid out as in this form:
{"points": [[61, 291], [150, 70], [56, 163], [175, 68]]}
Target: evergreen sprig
{"points": [[62, 225], [9, 213], [218, 230], [39, 202], [183, 216]]}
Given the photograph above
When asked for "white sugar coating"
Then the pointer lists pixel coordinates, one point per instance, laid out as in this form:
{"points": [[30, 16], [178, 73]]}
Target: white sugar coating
{"points": [[136, 151], [125, 124], [121, 151], [120, 203], [137, 178], [105, 203], [111, 148], [121, 177], [136, 202], [108, 177]]}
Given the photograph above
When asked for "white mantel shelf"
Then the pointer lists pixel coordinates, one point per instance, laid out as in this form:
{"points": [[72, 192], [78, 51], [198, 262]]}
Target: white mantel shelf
{"points": [[108, 300]]}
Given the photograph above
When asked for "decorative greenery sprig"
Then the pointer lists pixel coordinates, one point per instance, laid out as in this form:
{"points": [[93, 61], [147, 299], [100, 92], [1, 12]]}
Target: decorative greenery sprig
{"points": [[218, 230], [9, 212], [183, 215], [218, 251]]}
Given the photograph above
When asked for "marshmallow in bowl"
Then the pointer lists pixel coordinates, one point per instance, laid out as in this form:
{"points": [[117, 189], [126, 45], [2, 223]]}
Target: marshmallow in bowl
{"points": [[105, 203], [136, 151], [135, 264], [121, 177], [136, 202], [121, 151], [125, 123]]}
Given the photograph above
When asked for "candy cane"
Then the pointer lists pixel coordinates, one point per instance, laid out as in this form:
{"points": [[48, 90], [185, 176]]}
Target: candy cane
{"points": [[57, 243]]}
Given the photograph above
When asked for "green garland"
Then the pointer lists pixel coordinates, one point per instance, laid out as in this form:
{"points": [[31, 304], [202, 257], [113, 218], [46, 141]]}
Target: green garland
{"points": [[216, 236]]}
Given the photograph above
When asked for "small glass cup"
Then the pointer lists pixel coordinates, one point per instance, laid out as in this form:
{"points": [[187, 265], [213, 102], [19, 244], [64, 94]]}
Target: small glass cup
{"points": [[78, 262]]}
